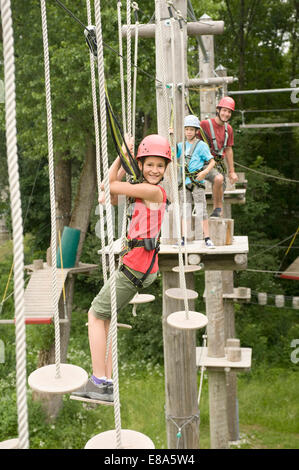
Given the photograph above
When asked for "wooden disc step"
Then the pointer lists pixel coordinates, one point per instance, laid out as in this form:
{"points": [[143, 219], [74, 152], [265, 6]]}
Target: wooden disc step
{"points": [[44, 379], [180, 294], [129, 440], [10, 444], [142, 298], [188, 268], [190, 321]]}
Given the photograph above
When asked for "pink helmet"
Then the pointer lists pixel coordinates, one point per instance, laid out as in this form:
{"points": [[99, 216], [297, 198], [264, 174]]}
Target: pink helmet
{"points": [[154, 145], [227, 102]]}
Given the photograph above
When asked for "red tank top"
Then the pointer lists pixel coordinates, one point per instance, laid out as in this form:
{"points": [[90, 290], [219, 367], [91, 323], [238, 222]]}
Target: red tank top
{"points": [[146, 223]]}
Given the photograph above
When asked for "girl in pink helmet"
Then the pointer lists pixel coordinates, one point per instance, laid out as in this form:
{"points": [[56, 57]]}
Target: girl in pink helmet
{"points": [[139, 266]]}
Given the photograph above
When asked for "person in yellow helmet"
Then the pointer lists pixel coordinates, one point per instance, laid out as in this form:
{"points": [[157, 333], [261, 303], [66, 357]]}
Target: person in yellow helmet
{"points": [[221, 140]]}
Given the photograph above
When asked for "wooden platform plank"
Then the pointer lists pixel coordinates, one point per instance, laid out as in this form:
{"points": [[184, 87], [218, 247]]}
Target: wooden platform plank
{"points": [[38, 299], [82, 267], [239, 246], [202, 359], [236, 294]]}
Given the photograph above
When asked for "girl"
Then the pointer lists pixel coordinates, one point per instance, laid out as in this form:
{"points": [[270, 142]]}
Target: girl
{"points": [[139, 264]]}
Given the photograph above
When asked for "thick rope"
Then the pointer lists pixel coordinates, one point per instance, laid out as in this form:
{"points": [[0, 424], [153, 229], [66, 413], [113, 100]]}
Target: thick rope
{"points": [[173, 167], [121, 66], [183, 145], [135, 7], [109, 221], [52, 186], [16, 213], [123, 105], [129, 71], [98, 149], [202, 369]]}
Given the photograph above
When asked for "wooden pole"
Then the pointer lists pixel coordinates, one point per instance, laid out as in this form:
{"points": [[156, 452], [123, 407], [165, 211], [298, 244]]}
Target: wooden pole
{"points": [[181, 407], [229, 327], [206, 71], [216, 343], [213, 286]]}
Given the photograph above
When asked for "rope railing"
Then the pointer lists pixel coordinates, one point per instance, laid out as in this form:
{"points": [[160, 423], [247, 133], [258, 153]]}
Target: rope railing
{"points": [[52, 186], [16, 214], [101, 80]]}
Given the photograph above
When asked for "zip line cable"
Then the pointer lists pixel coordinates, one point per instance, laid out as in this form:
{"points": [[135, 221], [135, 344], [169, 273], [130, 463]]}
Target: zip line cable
{"points": [[288, 249], [104, 43], [273, 246], [266, 174]]}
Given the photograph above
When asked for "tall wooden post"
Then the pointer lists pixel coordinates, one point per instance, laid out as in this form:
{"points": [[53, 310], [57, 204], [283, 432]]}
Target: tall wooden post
{"points": [[179, 345], [181, 407], [216, 343], [219, 433], [206, 71]]}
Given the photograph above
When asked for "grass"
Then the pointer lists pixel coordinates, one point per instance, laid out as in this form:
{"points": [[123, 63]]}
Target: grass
{"points": [[268, 403], [268, 415], [268, 398]]}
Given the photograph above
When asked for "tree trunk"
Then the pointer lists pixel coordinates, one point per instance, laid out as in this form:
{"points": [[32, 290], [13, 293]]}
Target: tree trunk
{"points": [[79, 219]]}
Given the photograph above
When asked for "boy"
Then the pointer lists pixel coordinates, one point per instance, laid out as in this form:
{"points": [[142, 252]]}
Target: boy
{"points": [[197, 153]]}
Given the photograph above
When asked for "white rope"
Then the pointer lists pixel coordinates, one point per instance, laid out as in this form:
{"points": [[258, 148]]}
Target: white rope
{"points": [[98, 149], [16, 213], [202, 370], [129, 65], [123, 105], [52, 187], [183, 144], [121, 66], [163, 66], [174, 177], [109, 221], [135, 7]]}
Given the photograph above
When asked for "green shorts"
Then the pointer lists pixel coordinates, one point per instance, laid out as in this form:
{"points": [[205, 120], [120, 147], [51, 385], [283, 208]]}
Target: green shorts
{"points": [[125, 291]]}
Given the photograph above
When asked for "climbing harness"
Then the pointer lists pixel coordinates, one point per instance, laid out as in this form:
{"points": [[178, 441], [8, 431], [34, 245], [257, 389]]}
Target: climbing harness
{"points": [[147, 243], [191, 174], [219, 153]]}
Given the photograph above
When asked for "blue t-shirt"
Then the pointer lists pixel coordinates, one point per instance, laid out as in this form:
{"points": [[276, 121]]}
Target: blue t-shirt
{"points": [[200, 156]]}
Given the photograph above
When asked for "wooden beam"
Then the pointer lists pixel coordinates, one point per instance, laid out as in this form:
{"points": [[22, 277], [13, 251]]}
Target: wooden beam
{"points": [[196, 82], [194, 28]]}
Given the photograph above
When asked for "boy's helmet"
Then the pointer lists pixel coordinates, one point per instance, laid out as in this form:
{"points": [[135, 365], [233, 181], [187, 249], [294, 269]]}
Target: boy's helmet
{"points": [[227, 102], [191, 121], [154, 145]]}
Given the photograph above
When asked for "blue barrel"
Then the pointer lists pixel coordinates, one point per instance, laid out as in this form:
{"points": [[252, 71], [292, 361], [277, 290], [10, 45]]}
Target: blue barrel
{"points": [[69, 246]]}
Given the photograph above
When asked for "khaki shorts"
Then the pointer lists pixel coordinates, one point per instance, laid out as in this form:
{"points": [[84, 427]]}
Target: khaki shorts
{"points": [[211, 175], [125, 291], [197, 196]]}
